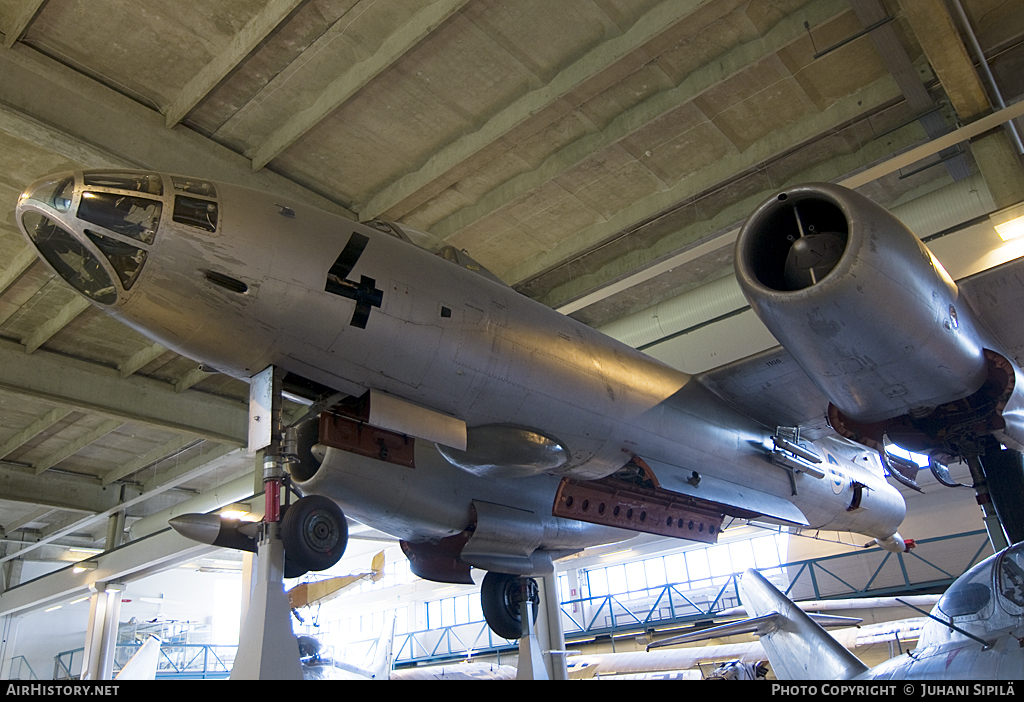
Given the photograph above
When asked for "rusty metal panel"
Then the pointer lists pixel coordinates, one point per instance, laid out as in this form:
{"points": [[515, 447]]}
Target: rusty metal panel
{"points": [[613, 503], [365, 440]]}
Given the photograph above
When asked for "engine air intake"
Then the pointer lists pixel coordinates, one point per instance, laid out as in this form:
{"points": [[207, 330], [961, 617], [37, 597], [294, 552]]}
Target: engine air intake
{"points": [[799, 241]]}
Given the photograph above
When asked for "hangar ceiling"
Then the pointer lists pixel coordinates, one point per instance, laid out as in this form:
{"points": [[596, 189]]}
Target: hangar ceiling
{"points": [[566, 146]]}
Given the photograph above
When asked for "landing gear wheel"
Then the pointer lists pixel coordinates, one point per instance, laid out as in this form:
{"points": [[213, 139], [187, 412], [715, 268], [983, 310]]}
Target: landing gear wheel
{"points": [[1004, 472], [314, 532], [500, 597]]}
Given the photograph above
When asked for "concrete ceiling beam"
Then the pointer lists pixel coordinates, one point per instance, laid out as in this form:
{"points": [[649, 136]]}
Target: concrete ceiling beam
{"points": [[89, 387], [842, 112], [36, 514], [60, 491], [33, 430], [788, 30], [154, 456], [27, 128], [211, 455], [345, 86], [191, 378], [948, 56], [76, 445], [20, 263], [727, 239], [104, 128], [141, 359], [940, 40], [898, 62], [21, 17], [242, 44], [657, 21], [64, 316], [215, 457]]}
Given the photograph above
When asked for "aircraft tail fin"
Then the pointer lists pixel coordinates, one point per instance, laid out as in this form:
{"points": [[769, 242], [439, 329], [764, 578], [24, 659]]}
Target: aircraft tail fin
{"points": [[384, 656], [377, 566], [797, 647], [143, 664]]}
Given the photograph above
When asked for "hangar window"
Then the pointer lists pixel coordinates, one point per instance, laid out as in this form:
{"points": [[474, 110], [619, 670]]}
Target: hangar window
{"points": [[452, 611], [201, 214], [709, 567], [148, 183], [70, 258], [135, 217]]}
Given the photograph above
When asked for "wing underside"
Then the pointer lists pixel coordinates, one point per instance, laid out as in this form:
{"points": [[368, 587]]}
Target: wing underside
{"points": [[997, 296], [772, 388]]}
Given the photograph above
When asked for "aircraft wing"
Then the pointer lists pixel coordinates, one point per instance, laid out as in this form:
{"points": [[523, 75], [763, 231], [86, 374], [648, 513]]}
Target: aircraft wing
{"points": [[997, 295], [319, 591], [773, 389], [143, 664], [759, 626], [608, 664], [798, 648]]}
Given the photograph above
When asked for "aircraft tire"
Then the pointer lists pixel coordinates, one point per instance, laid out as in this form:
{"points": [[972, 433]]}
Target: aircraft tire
{"points": [[293, 570], [314, 532], [499, 599]]}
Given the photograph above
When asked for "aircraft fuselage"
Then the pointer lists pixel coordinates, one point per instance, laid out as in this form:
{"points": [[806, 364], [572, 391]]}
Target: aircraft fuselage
{"points": [[240, 280]]}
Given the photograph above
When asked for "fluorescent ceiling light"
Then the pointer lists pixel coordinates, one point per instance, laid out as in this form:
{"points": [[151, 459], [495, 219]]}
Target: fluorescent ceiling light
{"points": [[1011, 230], [83, 566]]}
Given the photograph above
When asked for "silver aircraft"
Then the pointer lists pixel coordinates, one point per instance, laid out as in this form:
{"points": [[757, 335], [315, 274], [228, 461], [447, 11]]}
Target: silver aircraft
{"points": [[485, 430], [974, 632]]}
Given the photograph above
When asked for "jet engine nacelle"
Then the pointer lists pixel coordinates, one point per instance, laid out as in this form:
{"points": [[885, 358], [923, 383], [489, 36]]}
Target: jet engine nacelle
{"points": [[815, 260]]}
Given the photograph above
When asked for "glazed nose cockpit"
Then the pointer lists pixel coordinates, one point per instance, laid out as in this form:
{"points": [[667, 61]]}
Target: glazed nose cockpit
{"points": [[96, 229]]}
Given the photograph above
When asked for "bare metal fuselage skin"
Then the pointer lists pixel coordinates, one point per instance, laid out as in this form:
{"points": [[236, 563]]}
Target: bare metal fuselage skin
{"points": [[266, 281], [973, 633], [986, 602]]}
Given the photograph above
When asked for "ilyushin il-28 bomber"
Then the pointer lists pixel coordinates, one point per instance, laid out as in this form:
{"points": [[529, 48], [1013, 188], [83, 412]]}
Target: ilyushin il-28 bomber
{"points": [[485, 430]]}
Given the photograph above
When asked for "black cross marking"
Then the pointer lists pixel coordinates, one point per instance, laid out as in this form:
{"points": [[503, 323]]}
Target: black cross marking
{"points": [[365, 292]]}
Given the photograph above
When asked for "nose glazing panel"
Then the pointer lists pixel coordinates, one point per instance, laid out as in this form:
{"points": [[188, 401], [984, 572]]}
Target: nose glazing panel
{"points": [[70, 258], [53, 192], [130, 216]]}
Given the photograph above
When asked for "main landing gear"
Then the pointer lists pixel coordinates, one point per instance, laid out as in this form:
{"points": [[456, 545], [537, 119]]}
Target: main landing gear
{"points": [[511, 604], [315, 534], [501, 597], [1001, 487]]}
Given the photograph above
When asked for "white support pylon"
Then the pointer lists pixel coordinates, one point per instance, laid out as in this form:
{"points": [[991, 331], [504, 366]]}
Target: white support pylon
{"points": [[531, 660], [267, 647]]}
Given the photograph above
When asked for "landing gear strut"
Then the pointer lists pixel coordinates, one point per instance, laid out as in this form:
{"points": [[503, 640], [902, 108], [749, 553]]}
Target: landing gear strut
{"points": [[500, 597], [1004, 474]]}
